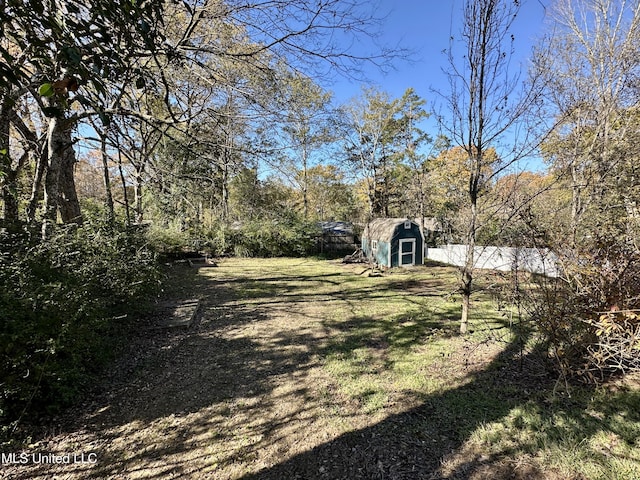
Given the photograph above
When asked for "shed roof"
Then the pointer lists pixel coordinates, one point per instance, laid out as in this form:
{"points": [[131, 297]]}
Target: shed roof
{"points": [[337, 228], [383, 228]]}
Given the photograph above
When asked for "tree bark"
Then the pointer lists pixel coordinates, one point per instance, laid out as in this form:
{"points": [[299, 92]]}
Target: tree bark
{"points": [[137, 194], [225, 184], [111, 215], [51, 181], [69, 204], [59, 185], [125, 194], [36, 187], [305, 182], [37, 151], [467, 270], [9, 177]]}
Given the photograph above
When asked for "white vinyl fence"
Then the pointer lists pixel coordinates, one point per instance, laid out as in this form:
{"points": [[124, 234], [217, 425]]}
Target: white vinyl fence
{"points": [[504, 259]]}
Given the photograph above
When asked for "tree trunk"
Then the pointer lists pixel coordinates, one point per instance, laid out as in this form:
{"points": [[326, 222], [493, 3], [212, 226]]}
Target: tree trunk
{"points": [[59, 185], [467, 270], [225, 188], [125, 194], [466, 298], [305, 182], [371, 198], [27, 130], [227, 155], [137, 197], [51, 181], [69, 204], [111, 215], [36, 187], [123, 182], [576, 204], [9, 177]]}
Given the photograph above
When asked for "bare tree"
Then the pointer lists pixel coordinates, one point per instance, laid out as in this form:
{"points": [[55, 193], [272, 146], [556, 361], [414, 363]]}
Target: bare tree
{"points": [[484, 105]]}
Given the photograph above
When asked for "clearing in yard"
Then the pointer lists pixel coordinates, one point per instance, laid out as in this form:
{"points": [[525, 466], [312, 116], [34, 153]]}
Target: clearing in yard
{"points": [[308, 369]]}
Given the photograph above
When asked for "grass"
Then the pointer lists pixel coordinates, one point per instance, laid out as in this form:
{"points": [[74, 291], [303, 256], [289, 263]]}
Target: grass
{"points": [[305, 368], [592, 436]]}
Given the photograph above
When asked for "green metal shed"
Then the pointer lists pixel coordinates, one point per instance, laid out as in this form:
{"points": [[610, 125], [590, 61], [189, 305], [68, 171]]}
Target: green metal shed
{"points": [[393, 242]]}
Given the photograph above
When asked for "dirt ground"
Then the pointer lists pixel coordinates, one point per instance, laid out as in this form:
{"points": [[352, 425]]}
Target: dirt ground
{"points": [[243, 394]]}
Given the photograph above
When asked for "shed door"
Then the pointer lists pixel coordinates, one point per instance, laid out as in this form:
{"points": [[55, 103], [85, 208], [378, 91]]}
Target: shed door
{"points": [[407, 252]]}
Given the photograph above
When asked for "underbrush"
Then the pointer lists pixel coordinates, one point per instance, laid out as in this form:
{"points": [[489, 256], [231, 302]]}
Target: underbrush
{"points": [[64, 304], [283, 237], [590, 316]]}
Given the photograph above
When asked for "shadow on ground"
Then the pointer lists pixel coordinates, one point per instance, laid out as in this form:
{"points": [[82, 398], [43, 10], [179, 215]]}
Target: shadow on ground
{"points": [[428, 442], [240, 393]]}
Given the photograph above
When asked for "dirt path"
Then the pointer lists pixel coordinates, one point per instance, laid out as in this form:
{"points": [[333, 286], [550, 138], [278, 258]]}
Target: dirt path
{"points": [[242, 392]]}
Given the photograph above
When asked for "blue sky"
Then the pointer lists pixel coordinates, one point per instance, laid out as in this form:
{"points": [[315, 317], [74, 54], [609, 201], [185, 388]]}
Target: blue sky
{"points": [[425, 26]]}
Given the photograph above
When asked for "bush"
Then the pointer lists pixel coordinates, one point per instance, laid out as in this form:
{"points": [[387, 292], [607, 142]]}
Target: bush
{"points": [[62, 303], [590, 317], [173, 241], [167, 240], [268, 238], [282, 235]]}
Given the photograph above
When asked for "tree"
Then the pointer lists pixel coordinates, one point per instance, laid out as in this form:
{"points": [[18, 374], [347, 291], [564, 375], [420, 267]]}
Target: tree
{"points": [[81, 59], [484, 103], [329, 197], [90, 176], [591, 66], [305, 128], [19, 146], [447, 176], [527, 209], [71, 54], [245, 195], [225, 65], [382, 134]]}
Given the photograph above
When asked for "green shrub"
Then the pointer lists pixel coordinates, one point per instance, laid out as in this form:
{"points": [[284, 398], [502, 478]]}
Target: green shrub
{"points": [[167, 239], [62, 304], [172, 240], [272, 238]]}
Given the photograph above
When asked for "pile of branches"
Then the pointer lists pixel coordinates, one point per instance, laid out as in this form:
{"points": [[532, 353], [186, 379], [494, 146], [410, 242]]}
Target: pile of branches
{"points": [[356, 257], [590, 316], [617, 348]]}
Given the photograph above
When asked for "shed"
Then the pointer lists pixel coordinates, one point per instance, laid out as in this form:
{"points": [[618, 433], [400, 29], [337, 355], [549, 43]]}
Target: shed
{"points": [[337, 236], [393, 242]]}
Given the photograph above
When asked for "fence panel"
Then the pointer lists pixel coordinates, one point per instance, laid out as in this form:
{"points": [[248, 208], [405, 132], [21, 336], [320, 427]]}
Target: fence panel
{"points": [[504, 259]]}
